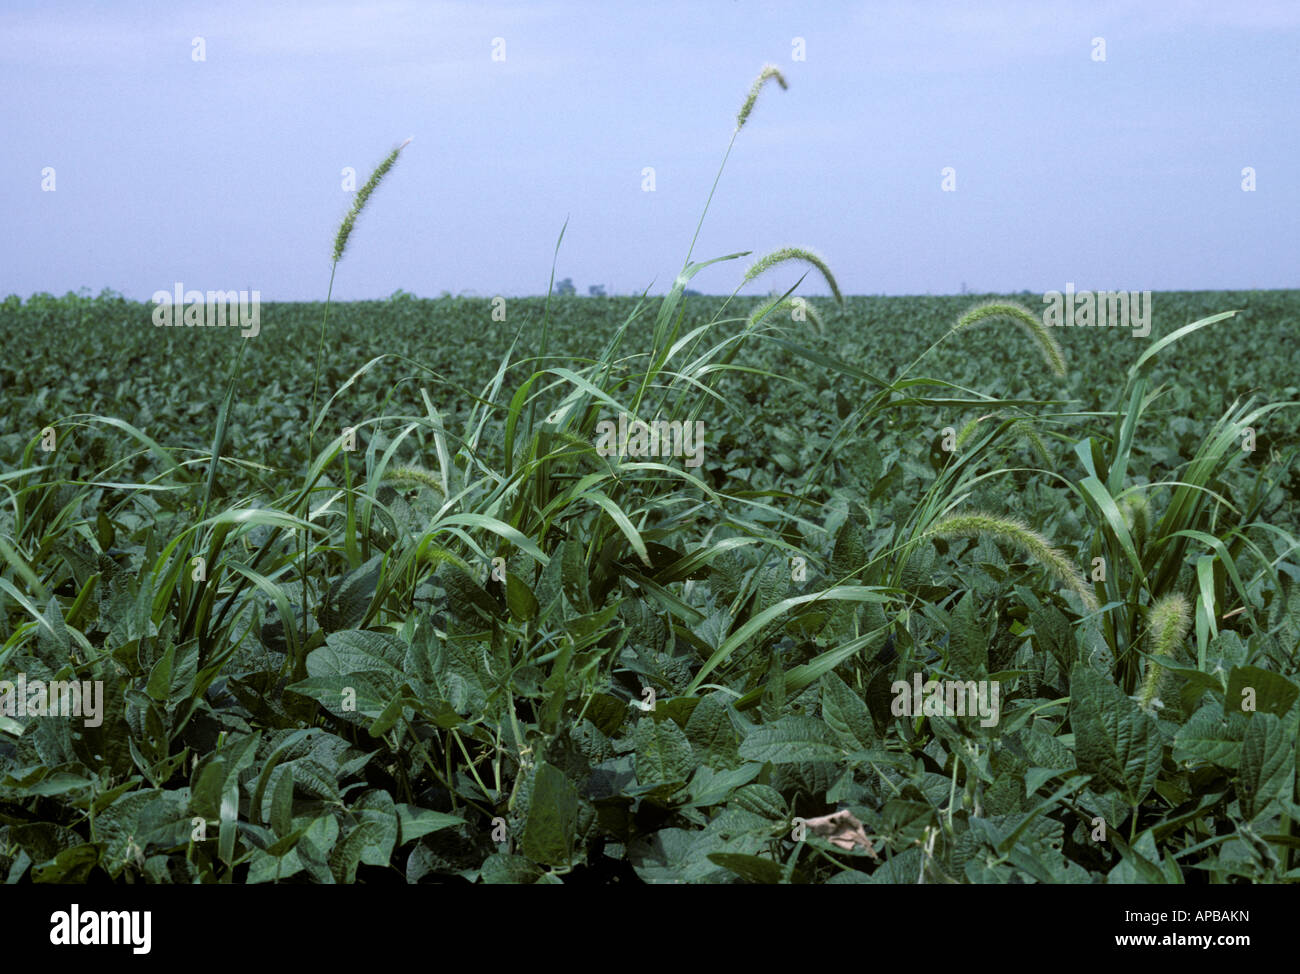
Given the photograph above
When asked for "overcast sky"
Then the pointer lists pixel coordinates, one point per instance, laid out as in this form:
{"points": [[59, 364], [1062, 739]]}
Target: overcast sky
{"points": [[227, 172]]}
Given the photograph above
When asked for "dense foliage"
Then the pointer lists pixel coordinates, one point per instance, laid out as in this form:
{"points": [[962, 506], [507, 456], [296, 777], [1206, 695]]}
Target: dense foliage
{"points": [[392, 614]]}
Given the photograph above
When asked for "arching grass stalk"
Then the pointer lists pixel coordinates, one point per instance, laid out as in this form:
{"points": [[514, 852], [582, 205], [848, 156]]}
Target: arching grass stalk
{"points": [[1048, 345], [1052, 353], [785, 301], [786, 254], [1021, 427], [1020, 535], [770, 72]]}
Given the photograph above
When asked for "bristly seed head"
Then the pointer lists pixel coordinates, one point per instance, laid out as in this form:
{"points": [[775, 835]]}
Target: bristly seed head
{"points": [[967, 430], [1171, 618], [412, 477], [1021, 427], [1050, 347], [1036, 445], [1030, 542], [796, 253], [362, 197], [769, 71], [772, 309], [1136, 510]]}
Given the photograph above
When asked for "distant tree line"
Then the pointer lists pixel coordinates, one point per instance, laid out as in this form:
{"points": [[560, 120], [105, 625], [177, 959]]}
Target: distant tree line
{"points": [[566, 287]]}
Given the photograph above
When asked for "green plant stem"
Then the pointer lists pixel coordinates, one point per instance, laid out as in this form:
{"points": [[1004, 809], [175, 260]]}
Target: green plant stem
{"points": [[320, 351]]}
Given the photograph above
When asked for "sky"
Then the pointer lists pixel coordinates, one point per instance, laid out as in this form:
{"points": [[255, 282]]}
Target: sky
{"points": [[921, 147]]}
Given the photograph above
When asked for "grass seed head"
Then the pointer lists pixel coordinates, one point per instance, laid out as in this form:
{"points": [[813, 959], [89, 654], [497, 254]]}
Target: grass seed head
{"points": [[796, 253], [1050, 347], [1036, 445], [1031, 543], [363, 197], [771, 309], [412, 477], [769, 71], [1136, 509], [967, 431], [1171, 618]]}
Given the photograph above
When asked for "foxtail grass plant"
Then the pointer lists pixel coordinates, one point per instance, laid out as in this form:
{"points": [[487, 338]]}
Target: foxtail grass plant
{"points": [[900, 390], [1149, 557], [787, 254], [495, 590], [1170, 620], [1033, 326], [769, 73], [341, 239], [979, 524], [796, 309]]}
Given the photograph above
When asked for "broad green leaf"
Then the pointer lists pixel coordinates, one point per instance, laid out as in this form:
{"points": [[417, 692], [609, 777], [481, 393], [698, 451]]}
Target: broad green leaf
{"points": [[1210, 736], [358, 651], [1267, 765], [520, 599], [501, 868], [762, 800], [377, 815], [550, 833], [416, 821], [1258, 689], [846, 714], [282, 804], [791, 740], [1114, 739], [712, 734], [709, 787], [752, 869], [69, 866], [663, 753], [968, 646]]}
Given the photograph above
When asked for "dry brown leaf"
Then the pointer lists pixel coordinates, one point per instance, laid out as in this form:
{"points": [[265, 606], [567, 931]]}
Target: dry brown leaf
{"points": [[842, 829]]}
